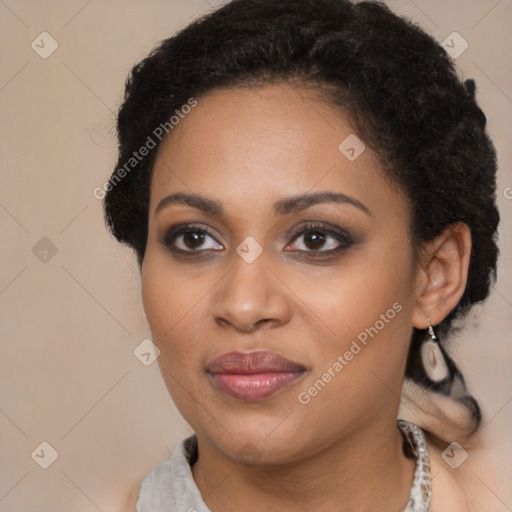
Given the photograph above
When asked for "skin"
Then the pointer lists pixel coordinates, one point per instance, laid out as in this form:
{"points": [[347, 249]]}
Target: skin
{"points": [[248, 148]]}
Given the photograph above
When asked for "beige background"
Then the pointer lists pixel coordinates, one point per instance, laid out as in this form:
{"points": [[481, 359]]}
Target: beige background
{"points": [[70, 324]]}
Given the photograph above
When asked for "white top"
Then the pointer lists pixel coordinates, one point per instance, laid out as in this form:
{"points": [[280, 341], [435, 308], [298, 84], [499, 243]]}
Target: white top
{"points": [[170, 486]]}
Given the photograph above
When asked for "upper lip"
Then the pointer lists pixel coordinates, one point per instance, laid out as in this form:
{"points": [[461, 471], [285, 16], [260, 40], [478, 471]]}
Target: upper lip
{"points": [[252, 362]]}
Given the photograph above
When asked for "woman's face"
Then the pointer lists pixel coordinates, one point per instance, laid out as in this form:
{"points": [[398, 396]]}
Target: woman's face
{"points": [[279, 284]]}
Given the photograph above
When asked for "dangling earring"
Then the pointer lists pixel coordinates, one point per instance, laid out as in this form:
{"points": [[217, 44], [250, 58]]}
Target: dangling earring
{"points": [[432, 357]]}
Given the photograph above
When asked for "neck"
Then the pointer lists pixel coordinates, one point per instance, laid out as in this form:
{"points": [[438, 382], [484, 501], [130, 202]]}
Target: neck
{"points": [[363, 471]]}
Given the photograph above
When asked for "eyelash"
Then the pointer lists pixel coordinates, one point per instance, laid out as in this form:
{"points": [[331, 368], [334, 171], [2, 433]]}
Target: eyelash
{"points": [[342, 237]]}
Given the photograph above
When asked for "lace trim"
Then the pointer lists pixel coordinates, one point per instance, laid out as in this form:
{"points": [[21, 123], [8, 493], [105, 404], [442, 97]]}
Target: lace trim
{"points": [[415, 446], [421, 490]]}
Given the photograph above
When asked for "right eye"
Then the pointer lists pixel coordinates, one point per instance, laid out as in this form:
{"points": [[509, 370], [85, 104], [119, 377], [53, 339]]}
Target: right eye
{"points": [[189, 239]]}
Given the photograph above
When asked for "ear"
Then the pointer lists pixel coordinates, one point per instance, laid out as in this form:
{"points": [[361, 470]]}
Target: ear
{"points": [[442, 275]]}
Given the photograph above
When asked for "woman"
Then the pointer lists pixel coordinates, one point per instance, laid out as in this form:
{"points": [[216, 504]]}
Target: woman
{"points": [[310, 193]]}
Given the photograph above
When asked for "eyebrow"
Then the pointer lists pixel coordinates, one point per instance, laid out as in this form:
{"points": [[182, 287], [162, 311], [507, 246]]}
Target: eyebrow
{"points": [[284, 206]]}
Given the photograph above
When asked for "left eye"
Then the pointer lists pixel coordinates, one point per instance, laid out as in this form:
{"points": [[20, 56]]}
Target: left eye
{"points": [[318, 239]]}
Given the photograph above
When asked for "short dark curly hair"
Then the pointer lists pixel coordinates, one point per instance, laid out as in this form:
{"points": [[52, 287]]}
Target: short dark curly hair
{"points": [[398, 86]]}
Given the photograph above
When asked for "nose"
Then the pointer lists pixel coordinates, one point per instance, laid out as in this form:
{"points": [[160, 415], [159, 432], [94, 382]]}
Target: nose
{"points": [[251, 297]]}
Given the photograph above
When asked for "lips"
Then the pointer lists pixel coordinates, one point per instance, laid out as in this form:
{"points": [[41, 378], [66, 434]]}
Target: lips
{"points": [[253, 376]]}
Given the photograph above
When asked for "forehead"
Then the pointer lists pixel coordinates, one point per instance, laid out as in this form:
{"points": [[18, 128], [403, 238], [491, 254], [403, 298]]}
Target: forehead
{"points": [[259, 143]]}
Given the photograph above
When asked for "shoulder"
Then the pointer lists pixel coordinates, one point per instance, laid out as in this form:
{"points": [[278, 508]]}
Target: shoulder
{"points": [[158, 478], [130, 498], [448, 493], [151, 492], [454, 485], [169, 486]]}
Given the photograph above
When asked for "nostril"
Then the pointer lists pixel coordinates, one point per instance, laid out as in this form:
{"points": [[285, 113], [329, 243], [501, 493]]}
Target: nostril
{"points": [[222, 322], [263, 320]]}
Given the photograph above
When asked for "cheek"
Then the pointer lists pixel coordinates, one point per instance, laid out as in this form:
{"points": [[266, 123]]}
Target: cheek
{"points": [[169, 299], [369, 289], [366, 315]]}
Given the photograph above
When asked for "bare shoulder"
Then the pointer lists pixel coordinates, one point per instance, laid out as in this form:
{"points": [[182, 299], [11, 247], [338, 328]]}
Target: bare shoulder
{"points": [[130, 497], [454, 485]]}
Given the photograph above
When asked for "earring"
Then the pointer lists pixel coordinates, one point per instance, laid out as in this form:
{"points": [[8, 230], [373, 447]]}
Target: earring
{"points": [[432, 357]]}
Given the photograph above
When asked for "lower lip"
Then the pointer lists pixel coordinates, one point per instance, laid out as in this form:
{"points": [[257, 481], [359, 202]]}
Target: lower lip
{"points": [[254, 386]]}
